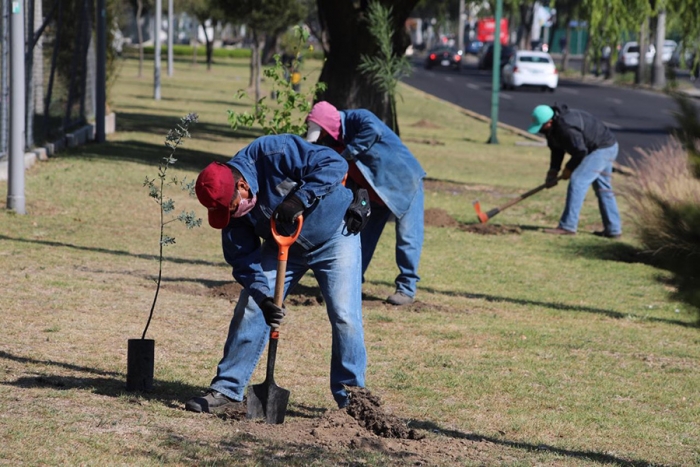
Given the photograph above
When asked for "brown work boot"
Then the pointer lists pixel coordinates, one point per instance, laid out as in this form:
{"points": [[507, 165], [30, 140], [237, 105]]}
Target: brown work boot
{"points": [[559, 231], [399, 299], [603, 233], [211, 402]]}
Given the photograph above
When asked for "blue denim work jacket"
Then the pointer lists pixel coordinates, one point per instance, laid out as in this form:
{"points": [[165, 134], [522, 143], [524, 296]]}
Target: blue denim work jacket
{"points": [[385, 162], [275, 167]]}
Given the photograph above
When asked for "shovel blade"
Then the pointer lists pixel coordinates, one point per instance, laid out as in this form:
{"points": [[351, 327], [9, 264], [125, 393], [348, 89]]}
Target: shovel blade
{"points": [[268, 401]]}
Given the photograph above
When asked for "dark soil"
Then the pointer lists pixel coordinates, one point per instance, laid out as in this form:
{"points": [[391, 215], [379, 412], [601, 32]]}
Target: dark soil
{"points": [[491, 229], [366, 408]]}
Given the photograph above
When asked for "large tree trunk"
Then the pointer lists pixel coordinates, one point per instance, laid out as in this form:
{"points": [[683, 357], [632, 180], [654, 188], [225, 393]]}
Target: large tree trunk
{"points": [[348, 38]]}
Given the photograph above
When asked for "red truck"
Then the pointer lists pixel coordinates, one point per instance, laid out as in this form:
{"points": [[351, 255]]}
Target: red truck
{"points": [[486, 28]]}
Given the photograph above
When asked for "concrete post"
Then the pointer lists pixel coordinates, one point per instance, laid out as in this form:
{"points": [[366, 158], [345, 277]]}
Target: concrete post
{"points": [[171, 29], [15, 188]]}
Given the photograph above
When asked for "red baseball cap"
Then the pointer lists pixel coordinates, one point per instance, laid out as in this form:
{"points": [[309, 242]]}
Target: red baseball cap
{"points": [[215, 188]]}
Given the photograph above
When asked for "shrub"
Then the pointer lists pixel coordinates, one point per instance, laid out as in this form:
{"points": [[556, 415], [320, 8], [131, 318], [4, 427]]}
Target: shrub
{"points": [[664, 202]]}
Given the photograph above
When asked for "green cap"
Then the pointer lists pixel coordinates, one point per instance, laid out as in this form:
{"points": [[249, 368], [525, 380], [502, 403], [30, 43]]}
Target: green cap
{"points": [[541, 115]]}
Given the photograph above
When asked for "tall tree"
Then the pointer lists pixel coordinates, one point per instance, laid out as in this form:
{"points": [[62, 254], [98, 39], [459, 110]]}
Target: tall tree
{"points": [[263, 18], [608, 20], [203, 10], [348, 39]]}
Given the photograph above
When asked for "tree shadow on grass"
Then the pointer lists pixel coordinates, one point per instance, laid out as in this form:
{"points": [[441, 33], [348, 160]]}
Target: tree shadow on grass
{"points": [[582, 455], [557, 306], [625, 253], [147, 154], [111, 252], [113, 384], [161, 124]]}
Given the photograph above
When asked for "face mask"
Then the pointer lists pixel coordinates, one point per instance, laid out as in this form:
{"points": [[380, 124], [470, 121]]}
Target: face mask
{"points": [[245, 206]]}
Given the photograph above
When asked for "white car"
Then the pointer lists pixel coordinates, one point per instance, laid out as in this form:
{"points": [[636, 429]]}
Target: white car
{"points": [[530, 68], [628, 59]]}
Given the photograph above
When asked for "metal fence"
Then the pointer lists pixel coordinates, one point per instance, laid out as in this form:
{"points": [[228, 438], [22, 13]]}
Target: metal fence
{"points": [[59, 69]]}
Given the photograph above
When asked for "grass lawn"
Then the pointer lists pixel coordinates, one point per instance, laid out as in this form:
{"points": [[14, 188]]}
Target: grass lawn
{"points": [[523, 348]]}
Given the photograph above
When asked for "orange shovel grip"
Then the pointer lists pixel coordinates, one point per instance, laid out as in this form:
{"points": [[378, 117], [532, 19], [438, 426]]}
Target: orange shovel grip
{"points": [[283, 241]]}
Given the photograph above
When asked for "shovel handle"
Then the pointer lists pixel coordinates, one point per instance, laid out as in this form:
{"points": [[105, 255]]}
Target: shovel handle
{"points": [[284, 243]]}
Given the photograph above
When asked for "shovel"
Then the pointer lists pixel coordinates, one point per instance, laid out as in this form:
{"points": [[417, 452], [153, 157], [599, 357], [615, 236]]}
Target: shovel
{"points": [[485, 216], [267, 400]]}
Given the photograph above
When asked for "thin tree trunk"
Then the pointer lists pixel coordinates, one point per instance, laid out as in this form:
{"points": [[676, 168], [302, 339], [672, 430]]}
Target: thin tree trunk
{"points": [[640, 76], [139, 9], [209, 46], [565, 52], [659, 75], [194, 42]]}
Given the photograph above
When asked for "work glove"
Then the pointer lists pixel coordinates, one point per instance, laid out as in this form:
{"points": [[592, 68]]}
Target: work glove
{"points": [[288, 210], [551, 179], [566, 173], [273, 314]]}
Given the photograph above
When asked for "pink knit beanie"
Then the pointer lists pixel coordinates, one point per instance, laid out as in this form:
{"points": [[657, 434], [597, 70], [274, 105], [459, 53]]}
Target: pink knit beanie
{"points": [[327, 117]]}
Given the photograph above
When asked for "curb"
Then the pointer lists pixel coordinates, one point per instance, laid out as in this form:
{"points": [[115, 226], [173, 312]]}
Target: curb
{"points": [[535, 140], [483, 118], [30, 159], [74, 139]]}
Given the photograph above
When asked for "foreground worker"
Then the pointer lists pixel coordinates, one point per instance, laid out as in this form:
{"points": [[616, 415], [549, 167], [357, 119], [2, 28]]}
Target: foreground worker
{"points": [[382, 164], [283, 177], [593, 149]]}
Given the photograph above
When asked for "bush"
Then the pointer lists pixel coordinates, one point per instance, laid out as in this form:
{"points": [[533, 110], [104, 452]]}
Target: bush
{"points": [[664, 202], [187, 50]]}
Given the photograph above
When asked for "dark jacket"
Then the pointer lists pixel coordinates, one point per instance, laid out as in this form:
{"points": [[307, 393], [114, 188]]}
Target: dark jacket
{"points": [[578, 133]]}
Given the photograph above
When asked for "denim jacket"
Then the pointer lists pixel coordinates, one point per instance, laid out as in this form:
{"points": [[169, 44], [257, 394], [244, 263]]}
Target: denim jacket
{"points": [[275, 167], [381, 157]]}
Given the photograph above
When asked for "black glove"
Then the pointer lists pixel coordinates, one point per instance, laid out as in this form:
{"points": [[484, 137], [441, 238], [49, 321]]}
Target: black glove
{"points": [[551, 179], [288, 210], [273, 314]]}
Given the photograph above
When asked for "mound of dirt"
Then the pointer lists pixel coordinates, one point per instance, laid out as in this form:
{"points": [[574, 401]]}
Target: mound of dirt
{"points": [[491, 229], [366, 408], [436, 217], [429, 142], [423, 123]]}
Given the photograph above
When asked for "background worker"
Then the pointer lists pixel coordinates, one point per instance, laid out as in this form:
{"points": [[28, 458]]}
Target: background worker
{"points": [[282, 177], [382, 164], [593, 149]]}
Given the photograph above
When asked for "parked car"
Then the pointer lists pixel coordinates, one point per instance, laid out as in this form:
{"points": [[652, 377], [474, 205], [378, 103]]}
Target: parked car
{"points": [[447, 57], [486, 57], [530, 68], [473, 47], [669, 48], [628, 59]]}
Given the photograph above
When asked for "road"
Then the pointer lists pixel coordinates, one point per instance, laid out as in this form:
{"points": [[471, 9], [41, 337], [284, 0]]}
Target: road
{"points": [[638, 118]]}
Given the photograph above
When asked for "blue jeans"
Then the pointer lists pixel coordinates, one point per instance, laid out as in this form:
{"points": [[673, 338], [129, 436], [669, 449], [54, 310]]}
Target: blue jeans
{"points": [[409, 241], [596, 169], [336, 266]]}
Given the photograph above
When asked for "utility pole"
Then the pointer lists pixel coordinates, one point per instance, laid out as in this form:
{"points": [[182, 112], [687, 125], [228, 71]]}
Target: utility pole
{"points": [[15, 179], [171, 28], [101, 72], [156, 50], [496, 77]]}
